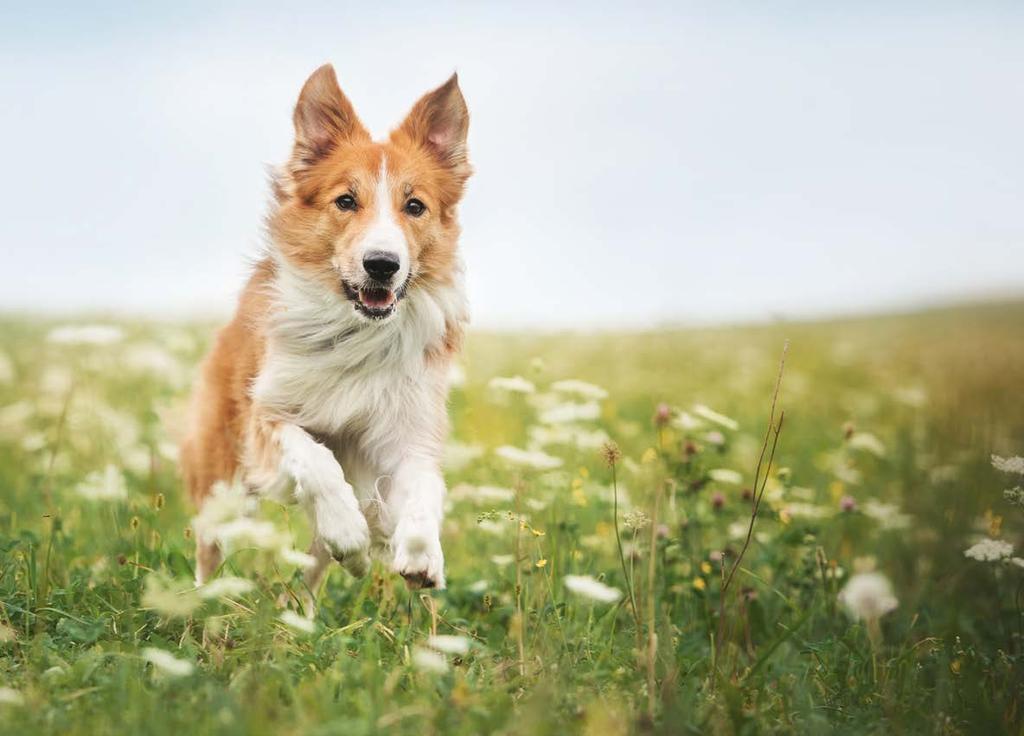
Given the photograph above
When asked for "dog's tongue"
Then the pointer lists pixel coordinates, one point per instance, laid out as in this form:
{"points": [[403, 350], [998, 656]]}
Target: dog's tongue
{"points": [[377, 298]]}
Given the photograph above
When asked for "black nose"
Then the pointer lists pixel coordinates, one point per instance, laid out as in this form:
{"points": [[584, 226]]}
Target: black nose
{"points": [[380, 264]]}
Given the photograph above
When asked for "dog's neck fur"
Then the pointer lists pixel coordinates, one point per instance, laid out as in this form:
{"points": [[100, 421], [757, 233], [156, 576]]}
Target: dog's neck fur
{"points": [[327, 366]]}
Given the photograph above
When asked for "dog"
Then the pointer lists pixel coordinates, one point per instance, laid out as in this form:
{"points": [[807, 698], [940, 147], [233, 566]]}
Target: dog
{"points": [[329, 386]]}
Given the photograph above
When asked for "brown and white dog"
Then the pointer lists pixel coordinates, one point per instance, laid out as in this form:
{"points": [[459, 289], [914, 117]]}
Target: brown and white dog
{"points": [[329, 386]]}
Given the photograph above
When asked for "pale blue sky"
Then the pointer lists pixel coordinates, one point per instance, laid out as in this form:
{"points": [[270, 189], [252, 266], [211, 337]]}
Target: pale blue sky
{"points": [[678, 163]]}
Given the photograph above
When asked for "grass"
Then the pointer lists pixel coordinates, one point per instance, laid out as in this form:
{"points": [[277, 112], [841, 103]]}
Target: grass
{"points": [[896, 417]]}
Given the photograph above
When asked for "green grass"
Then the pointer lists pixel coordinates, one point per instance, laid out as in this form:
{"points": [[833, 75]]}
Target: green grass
{"points": [[939, 392]]}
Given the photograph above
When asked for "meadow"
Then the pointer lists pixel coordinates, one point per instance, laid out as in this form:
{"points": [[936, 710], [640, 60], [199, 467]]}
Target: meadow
{"points": [[604, 575]]}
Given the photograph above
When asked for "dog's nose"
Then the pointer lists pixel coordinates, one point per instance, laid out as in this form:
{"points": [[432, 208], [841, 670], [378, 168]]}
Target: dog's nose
{"points": [[380, 264]]}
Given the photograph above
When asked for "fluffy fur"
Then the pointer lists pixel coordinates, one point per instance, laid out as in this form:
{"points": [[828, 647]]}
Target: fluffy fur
{"points": [[329, 385]]}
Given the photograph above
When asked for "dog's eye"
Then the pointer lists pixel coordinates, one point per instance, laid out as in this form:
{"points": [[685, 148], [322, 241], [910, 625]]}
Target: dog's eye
{"points": [[415, 208], [346, 202]]}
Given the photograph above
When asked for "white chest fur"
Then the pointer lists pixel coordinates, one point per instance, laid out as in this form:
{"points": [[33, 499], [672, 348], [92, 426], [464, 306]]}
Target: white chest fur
{"points": [[334, 372]]}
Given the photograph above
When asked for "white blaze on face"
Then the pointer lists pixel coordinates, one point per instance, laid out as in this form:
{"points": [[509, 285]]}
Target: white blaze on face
{"points": [[384, 233]]}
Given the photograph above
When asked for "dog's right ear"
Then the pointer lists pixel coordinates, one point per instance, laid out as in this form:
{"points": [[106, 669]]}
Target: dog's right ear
{"points": [[323, 118]]}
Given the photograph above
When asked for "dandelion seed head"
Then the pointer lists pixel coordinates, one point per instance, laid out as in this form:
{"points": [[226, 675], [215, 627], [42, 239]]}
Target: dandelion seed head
{"points": [[868, 596]]}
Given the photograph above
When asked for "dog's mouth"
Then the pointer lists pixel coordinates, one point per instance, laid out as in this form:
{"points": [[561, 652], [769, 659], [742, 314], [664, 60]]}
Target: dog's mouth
{"points": [[373, 300]]}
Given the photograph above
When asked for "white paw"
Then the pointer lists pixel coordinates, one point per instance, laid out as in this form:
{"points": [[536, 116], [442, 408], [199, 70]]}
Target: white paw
{"points": [[418, 556], [343, 531]]}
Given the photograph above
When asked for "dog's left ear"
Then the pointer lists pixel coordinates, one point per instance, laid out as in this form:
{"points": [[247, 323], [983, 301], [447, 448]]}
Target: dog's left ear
{"points": [[439, 122]]}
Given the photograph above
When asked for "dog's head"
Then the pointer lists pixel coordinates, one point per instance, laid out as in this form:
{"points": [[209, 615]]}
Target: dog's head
{"points": [[372, 220]]}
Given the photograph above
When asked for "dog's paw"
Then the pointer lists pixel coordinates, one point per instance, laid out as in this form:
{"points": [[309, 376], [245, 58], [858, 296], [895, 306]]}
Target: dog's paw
{"points": [[346, 536], [418, 556]]}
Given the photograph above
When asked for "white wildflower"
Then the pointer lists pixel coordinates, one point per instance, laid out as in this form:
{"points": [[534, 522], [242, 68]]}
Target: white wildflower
{"points": [[887, 514], [149, 358], [85, 335], [226, 587], [713, 416], [33, 442], [14, 416], [528, 458], [299, 559], [106, 486], [725, 475], [479, 587], [449, 644], [588, 587], [167, 663], [867, 442], [429, 661], [568, 434], [989, 550], [296, 622], [1009, 464], [56, 380], [566, 413], [914, 396], [807, 510], [10, 696], [458, 455], [6, 369], [579, 388], [137, 458], [738, 529], [686, 421], [868, 596], [492, 527], [502, 560], [714, 437], [172, 598], [512, 385], [456, 375], [244, 532]]}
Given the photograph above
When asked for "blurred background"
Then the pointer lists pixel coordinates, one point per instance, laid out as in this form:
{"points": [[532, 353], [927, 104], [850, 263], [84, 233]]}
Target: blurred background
{"points": [[663, 163]]}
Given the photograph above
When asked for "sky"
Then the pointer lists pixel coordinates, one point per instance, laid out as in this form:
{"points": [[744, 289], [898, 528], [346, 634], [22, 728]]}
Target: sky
{"points": [[635, 166]]}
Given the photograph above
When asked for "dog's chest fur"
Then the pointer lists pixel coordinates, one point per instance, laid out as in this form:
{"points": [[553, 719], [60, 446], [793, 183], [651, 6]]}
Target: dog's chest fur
{"points": [[337, 374]]}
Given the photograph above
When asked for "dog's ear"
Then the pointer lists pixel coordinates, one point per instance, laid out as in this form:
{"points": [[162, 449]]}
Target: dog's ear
{"points": [[439, 122], [323, 118]]}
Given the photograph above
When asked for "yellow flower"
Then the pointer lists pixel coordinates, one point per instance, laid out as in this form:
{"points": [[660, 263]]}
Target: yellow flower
{"points": [[705, 567], [784, 516], [699, 584], [584, 473], [649, 456], [542, 562]]}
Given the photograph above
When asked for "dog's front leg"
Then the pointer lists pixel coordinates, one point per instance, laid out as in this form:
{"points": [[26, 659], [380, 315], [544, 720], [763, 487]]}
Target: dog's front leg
{"points": [[338, 522], [416, 506]]}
